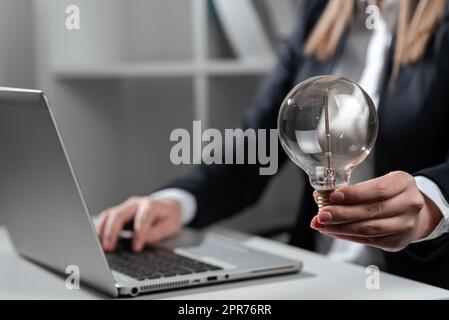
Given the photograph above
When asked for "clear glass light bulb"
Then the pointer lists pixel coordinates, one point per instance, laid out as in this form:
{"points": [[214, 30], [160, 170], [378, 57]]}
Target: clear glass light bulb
{"points": [[327, 126]]}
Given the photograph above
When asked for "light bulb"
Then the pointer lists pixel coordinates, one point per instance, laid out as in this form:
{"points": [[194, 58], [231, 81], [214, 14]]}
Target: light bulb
{"points": [[327, 126]]}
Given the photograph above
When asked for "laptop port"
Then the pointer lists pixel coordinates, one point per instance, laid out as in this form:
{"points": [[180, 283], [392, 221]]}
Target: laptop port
{"points": [[213, 278], [134, 291]]}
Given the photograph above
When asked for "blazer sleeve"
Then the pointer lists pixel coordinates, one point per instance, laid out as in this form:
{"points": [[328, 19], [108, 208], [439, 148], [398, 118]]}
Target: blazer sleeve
{"points": [[431, 249], [222, 190]]}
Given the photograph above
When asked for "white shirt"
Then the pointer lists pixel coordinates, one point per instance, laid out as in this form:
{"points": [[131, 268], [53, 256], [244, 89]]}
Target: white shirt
{"points": [[366, 68]]}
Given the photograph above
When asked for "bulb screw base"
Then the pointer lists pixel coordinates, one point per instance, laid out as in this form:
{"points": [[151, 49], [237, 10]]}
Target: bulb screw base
{"points": [[323, 198]]}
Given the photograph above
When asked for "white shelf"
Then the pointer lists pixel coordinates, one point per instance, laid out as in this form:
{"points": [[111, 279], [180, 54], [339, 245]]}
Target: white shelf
{"points": [[236, 67], [161, 69], [124, 70]]}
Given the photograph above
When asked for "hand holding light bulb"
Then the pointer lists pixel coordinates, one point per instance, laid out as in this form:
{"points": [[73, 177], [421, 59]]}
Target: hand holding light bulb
{"points": [[327, 126]]}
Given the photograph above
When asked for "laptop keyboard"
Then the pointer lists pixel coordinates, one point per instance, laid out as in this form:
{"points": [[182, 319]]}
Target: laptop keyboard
{"points": [[154, 263]]}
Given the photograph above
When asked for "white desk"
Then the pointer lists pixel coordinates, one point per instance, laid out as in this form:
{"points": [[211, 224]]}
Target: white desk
{"points": [[320, 279]]}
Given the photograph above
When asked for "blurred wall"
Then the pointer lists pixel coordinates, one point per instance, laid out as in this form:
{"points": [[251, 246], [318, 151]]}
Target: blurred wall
{"points": [[116, 128], [16, 43]]}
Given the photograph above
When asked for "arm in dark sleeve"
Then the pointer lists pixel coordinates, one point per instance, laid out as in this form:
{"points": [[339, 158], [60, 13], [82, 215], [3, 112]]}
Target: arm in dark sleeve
{"points": [[430, 249], [221, 190]]}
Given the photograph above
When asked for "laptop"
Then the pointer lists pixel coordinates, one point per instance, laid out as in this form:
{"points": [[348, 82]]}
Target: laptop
{"points": [[47, 219]]}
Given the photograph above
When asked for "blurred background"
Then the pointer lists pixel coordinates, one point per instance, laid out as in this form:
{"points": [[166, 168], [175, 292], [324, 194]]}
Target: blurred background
{"points": [[136, 70]]}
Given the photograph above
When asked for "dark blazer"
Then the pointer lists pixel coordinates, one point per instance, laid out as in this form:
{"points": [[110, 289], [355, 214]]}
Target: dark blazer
{"points": [[413, 137]]}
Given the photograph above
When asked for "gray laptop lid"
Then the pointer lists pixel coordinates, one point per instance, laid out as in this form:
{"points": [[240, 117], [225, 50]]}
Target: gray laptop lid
{"points": [[40, 200]]}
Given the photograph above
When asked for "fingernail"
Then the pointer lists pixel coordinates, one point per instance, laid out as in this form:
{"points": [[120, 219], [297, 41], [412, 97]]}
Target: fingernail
{"points": [[324, 217], [337, 196], [313, 223]]}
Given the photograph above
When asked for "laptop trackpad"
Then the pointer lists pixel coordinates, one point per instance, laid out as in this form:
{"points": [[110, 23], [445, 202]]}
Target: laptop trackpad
{"points": [[227, 255]]}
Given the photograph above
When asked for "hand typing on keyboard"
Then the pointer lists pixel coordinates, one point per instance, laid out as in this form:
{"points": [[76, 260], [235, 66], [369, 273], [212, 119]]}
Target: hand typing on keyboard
{"points": [[152, 220]]}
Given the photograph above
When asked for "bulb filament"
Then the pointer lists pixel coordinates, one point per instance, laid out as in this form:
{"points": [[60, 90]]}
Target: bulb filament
{"points": [[329, 172]]}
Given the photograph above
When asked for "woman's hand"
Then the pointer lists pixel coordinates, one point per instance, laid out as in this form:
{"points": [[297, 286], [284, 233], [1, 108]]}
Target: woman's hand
{"points": [[388, 212], [154, 220]]}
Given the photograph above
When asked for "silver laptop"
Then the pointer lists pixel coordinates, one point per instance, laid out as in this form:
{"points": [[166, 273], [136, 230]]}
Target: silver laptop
{"points": [[48, 221]]}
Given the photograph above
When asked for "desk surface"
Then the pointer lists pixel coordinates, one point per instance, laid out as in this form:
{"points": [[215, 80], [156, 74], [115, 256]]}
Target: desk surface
{"points": [[320, 279]]}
